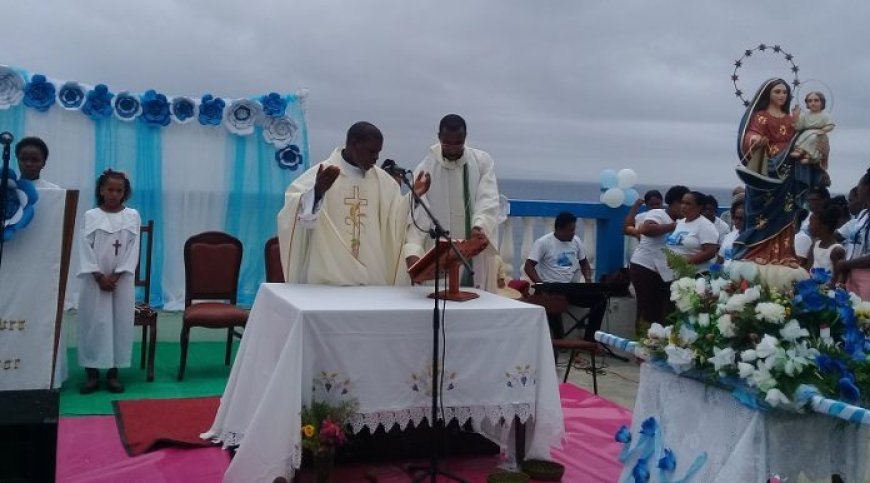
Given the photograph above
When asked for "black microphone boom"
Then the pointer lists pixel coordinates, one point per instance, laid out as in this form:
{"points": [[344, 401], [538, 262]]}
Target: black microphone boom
{"points": [[394, 169]]}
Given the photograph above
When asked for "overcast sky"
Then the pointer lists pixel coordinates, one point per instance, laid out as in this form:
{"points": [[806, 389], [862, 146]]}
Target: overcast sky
{"points": [[553, 89]]}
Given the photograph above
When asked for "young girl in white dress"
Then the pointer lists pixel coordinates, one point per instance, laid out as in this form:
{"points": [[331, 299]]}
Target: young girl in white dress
{"points": [[109, 253], [826, 251]]}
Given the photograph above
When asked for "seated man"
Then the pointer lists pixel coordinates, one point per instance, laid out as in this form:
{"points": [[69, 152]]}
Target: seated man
{"points": [[559, 257]]}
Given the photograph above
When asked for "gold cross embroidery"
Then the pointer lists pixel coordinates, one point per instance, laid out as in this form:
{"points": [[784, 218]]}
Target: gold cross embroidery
{"points": [[354, 219]]}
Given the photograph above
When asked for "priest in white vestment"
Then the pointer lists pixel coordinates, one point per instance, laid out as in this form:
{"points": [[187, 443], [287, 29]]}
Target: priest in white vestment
{"points": [[108, 254], [463, 197], [344, 220]]}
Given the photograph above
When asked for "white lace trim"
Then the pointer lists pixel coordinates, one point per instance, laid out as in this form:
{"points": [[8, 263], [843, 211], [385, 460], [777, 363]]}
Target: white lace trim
{"points": [[462, 414]]}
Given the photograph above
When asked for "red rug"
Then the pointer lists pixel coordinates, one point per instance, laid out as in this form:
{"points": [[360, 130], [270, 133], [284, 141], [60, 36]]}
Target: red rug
{"points": [[147, 424]]}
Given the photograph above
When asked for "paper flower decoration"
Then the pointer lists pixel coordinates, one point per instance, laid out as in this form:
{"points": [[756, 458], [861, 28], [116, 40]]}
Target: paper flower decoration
{"points": [[289, 157], [279, 131], [242, 115], [127, 106], [273, 104], [98, 103], [211, 110], [39, 94], [20, 198], [11, 87], [183, 109], [71, 95], [155, 109]]}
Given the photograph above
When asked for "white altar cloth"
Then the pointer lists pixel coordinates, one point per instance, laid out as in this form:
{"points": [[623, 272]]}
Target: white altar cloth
{"points": [[375, 344], [743, 444]]}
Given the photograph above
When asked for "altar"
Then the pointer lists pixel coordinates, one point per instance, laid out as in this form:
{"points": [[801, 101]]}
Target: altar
{"points": [[305, 342], [742, 444]]}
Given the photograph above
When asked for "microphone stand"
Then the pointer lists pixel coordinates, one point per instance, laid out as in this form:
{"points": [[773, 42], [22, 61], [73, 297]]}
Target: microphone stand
{"points": [[437, 232], [4, 185]]}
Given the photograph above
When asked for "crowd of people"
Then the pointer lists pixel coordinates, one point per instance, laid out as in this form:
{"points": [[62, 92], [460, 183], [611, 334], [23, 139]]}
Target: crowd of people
{"points": [[831, 234]]}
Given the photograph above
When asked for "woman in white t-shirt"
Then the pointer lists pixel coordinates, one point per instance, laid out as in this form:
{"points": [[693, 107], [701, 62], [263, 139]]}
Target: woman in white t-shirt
{"points": [[648, 270], [695, 238], [856, 268]]}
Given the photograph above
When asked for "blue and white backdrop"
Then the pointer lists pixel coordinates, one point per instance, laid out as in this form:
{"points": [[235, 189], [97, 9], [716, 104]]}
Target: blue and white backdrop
{"points": [[195, 163]]}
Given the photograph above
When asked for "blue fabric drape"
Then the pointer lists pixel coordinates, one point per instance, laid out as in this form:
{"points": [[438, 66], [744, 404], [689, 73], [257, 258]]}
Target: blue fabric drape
{"points": [[256, 189], [12, 120], [135, 148]]}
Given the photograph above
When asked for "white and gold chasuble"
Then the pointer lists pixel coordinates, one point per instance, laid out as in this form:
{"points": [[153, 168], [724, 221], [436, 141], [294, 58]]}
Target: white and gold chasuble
{"points": [[353, 236]]}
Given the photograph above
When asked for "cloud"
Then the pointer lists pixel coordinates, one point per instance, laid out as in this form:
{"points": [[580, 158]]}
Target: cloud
{"points": [[555, 89]]}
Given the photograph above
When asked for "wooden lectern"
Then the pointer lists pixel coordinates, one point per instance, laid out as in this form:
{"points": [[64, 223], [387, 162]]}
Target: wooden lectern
{"points": [[424, 269]]}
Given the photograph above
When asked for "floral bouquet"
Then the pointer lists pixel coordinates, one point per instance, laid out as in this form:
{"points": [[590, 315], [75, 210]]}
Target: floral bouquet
{"points": [[775, 347], [323, 425]]}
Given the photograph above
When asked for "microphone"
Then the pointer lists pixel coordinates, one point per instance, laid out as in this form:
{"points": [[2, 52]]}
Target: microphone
{"points": [[394, 169], [6, 138]]}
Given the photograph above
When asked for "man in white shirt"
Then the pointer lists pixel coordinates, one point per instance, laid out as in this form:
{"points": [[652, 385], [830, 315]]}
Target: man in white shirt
{"points": [[559, 257], [32, 153]]}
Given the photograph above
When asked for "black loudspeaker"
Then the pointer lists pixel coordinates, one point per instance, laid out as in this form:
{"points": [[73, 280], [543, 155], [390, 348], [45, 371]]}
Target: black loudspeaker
{"points": [[28, 435]]}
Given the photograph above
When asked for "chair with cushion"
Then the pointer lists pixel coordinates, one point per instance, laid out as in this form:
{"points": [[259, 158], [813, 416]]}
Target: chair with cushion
{"points": [[272, 256], [145, 316], [557, 304], [212, 261]]}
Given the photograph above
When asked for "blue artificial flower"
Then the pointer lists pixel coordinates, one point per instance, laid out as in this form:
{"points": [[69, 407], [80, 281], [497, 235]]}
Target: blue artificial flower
{"points": [[640, 472], [289, 157], [155, 109], [71, 95], [623, 435], [809, 296], [649, 427], [127, 106], [98, 103], [39, 94], [715, 269], [830, 365], [17, 214], [273, 104], [211, 110], [841, 298], [849, 392], [182, 108], [820, 275], [668, 462]]}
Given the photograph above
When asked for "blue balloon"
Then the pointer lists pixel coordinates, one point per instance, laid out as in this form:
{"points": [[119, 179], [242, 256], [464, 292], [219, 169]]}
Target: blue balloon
{"points": [[608, 179], [631, 195]]}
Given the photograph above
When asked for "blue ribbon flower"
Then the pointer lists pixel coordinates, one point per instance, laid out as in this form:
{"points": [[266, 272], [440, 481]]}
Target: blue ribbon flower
{"points": [[71, 95], [155, 109], [183, 109], [98, 103], [640, 472], [668, 462], [127, 106], [289, 157], [39, 94], [211, 110], [273, 104], [849, 392], [623, 435], [649, 427]]}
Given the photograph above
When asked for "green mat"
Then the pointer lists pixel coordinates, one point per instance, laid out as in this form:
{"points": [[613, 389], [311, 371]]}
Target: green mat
{"points": [[206, 375]]}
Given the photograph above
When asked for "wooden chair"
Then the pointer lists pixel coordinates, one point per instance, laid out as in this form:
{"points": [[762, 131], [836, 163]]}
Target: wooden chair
{"points": [[556, 304], [145, 316], [212, 261], [272, 256]]}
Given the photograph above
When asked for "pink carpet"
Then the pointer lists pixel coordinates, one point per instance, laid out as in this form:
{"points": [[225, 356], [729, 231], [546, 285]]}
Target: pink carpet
{"points": [[90, 450]]}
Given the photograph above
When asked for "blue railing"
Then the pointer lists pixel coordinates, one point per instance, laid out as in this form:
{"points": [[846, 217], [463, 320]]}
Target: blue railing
{"points": [[609, 241]]}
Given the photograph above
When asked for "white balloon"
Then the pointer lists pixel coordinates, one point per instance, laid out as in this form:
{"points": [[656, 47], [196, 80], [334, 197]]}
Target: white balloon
{"points": [[626, 178], [613, 197]]}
